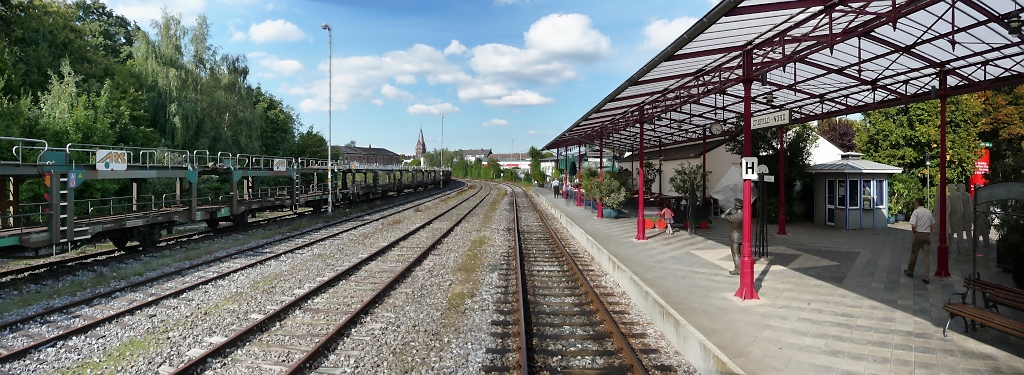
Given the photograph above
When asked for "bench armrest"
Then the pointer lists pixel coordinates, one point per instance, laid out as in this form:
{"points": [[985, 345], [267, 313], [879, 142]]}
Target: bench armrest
{"points": [[963, 297]]}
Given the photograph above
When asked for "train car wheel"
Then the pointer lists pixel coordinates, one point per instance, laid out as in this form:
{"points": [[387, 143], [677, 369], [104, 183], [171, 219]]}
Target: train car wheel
{"points": [[212, 224], [120, 242], [150, 238]]}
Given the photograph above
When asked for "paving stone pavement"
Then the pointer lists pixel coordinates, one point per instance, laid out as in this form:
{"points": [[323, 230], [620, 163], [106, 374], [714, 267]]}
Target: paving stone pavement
{"points": [[832, 301]]}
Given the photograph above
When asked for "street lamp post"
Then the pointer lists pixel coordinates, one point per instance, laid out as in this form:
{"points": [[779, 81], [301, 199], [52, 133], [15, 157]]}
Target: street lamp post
{"points": [[330, 76], [442, 152]]}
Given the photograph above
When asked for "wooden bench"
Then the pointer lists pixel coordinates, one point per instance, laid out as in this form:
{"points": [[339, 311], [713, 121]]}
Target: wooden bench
{"points": [[993, 295]]}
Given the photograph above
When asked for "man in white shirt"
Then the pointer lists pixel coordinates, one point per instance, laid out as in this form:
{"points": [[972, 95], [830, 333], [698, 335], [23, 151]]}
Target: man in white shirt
{"points": [[554, 187], [921, 224]]}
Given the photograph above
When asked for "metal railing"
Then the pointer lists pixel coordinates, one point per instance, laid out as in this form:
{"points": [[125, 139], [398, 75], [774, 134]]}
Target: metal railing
{"points": [[79, 153], [18, 151]]}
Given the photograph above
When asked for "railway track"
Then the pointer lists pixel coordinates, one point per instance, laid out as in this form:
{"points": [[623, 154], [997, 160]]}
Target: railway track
{"points": [[68, 265], [294, 337], [23, 335], [101, 258], [556, 321]]}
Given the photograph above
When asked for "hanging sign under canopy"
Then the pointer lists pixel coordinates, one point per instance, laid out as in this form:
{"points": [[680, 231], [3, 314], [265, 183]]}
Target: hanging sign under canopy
{"points": [[770, 120]]}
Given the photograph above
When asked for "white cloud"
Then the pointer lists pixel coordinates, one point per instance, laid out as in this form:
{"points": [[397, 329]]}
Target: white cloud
{"points": [[551, 44], [145, 11], [237, 36], [273, 66], [482, 90], [270, 6], [570, 35], [435, 109], [275, 30], [519, 98], [515, 64], [377, 102], [495, 122], [531, 132], [361, 77], [392, 92], [660, 33], [455, 48], [498, 73]]}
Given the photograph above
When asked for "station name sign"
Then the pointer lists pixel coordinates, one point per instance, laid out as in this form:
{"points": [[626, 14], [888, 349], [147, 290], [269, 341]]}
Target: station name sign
{"points": [[770, 120]]}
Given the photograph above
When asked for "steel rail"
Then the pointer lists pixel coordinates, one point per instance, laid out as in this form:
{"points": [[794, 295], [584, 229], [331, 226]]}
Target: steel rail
{"points": [[23, 351], [330, 339], [131, 251], [520, 271], [628, 354], [196, 364]]}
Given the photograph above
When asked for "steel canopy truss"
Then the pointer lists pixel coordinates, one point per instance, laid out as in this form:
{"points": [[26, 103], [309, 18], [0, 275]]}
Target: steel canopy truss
{"points": [[817, 58]]}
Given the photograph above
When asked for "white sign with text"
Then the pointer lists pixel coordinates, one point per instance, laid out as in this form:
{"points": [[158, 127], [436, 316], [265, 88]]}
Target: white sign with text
{"points": [[770, 120]]}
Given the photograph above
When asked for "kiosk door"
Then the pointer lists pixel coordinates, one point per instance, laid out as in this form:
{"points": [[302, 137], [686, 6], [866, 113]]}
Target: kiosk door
{"points": [[830, 202]]}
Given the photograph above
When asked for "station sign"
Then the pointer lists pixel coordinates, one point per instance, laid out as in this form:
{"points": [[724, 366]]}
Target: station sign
{"points": [[280, 165], [748, 168], [771, 119], [111, 160]]}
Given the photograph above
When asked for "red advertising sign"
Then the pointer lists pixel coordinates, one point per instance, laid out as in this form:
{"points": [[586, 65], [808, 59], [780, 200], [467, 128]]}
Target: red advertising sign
{"points": [[980, 169]]}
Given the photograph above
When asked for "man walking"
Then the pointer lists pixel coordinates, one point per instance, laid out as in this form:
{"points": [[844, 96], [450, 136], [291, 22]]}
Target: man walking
{"points": [[554, 188], [921, 224]]}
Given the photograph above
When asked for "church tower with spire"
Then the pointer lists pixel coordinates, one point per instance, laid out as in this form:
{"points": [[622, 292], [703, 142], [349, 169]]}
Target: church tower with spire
{"points": [[421, 147]]}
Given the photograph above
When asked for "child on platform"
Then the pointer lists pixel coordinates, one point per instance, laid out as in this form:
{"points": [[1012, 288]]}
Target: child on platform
{"points": [[667, 213]]}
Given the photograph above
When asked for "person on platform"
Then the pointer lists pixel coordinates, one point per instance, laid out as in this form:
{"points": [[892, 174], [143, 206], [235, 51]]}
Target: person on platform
{"points": [[921, 224], [666, 212], [967, 220], [735, 217], [554, 187]]}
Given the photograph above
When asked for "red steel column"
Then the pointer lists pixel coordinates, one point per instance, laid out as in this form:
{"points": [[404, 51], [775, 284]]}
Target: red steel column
{"points": [[579, 177], [641, 231], [704, 172], [600, 175], [942, 266], [782, 180], [565, 176], [746, 290]]}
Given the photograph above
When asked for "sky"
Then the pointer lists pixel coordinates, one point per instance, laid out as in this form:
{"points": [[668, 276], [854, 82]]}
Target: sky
{"points": [[504, 74]]}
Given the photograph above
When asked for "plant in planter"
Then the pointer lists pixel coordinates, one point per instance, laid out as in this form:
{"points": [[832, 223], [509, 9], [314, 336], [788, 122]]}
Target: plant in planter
{"points": [[612, 195], [651, 173], [689, 179]]}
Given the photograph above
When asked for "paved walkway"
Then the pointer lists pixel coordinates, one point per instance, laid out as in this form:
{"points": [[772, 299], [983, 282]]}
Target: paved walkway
{"points": [[832, 301]]}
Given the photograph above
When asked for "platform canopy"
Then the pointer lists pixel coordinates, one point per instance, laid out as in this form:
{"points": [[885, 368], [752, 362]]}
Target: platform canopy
{"points": [[816, 58]]}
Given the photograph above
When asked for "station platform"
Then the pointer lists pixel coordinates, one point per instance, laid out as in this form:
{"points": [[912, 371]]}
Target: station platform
{"points": [[832, 301]]}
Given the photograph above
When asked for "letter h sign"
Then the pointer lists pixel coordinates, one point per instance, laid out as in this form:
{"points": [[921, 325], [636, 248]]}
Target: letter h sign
{"points": [[748, 168]]}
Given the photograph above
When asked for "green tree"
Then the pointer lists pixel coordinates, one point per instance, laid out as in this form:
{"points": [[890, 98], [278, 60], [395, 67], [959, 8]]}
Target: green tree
{"points": [[535, 172], [310, 144], [902, 136]]}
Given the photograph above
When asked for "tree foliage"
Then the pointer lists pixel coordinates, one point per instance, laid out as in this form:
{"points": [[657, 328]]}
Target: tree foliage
{"points": [[903, 136], [840, 131]]}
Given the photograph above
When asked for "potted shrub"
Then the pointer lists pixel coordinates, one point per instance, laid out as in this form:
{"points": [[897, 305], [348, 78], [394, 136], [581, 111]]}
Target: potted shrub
{"points": [[611, 194], [651, 173], [689, 178]]}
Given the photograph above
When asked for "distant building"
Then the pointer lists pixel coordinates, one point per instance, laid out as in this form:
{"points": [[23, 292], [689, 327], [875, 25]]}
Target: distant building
{"points": [[517, 160], [472, 155], [369, 155], [421, 146]]}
